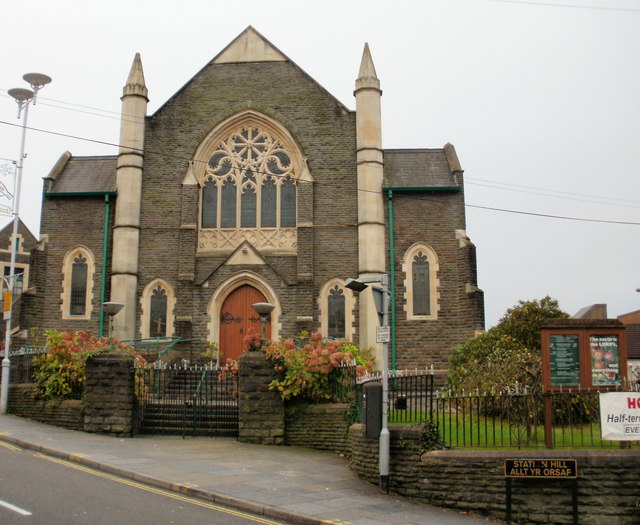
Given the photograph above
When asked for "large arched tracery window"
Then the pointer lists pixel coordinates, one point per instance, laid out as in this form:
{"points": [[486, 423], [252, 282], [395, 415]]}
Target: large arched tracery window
{"points": [[249, 189]]}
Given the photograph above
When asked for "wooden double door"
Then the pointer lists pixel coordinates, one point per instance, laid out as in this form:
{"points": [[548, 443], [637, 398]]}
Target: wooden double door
{"points": [[238, 318]]}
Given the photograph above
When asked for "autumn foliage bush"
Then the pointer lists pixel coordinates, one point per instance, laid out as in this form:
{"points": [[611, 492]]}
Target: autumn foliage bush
{"points": [[304, 370], [60, 373]]}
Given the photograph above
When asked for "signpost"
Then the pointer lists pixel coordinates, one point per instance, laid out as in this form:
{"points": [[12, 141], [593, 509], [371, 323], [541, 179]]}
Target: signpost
{"points": [[383, 334], [548, 468]]}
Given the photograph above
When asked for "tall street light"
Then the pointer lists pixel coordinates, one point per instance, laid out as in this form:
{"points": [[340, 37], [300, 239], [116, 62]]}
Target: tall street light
{"points": [[23, 97], [381, 300]]}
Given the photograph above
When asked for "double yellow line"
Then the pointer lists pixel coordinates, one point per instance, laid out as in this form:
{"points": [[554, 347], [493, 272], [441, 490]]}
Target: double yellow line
{"points": [[161, 492]]}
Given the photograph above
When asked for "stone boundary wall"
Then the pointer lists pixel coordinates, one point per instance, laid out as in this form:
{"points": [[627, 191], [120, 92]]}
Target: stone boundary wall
{"points": [[260, 410], [473, 480], [66, 414], [322, 426], [109, 394]]}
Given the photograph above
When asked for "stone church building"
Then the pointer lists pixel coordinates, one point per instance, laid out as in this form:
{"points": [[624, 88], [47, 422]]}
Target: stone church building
{"points": [[252, 184]]}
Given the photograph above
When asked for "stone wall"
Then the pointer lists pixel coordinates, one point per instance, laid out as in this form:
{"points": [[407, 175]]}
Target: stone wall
{"points": [[473, 480], [260, 410], [67, 414], [324, 427], [109, 394]]}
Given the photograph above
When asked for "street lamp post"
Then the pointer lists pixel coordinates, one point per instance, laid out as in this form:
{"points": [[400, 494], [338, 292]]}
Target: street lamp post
{"points": [[111, 309], [381, 298], [23, 97], [263, 310]]}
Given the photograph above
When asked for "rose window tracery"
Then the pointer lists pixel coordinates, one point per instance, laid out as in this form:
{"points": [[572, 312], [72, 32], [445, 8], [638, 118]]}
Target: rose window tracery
{"points": [[248, 192]]}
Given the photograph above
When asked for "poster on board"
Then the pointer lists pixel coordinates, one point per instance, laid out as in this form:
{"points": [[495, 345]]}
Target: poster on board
{"points": [[620, 416], [564, 359], [605, 360]]}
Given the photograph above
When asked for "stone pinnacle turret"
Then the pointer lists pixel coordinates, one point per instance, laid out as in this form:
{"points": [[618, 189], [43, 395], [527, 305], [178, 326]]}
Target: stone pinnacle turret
{"points": [[126, 231]]}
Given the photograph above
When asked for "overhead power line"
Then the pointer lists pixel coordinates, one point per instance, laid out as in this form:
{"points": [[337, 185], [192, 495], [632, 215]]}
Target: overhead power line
{"points": [[570, 6], [549, 216], [146, 151]]}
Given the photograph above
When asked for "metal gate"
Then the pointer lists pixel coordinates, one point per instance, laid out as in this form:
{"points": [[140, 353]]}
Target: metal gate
{"points": [[185, 401]]}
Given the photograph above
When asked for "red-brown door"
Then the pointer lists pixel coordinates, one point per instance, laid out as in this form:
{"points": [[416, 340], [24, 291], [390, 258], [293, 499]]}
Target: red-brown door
{"points": [[237, 318]]}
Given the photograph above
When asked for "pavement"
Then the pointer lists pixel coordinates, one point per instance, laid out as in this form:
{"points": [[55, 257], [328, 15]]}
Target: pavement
{"points": [[297, 485]]}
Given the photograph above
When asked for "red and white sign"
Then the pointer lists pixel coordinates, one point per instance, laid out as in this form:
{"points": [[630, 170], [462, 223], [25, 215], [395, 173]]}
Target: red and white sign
{"points": [[620, 416]]}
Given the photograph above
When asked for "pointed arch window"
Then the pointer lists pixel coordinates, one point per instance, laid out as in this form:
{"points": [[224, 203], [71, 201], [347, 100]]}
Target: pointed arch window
{"points": [[77, 283], [249, 190], [158, 304], [79, 272], [421, 290], [158, 320], [420, 265], [209, 205], [336, 310], [336, 307]]}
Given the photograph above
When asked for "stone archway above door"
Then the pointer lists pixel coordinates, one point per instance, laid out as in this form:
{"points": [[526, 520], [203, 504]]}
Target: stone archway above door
{"points": [[227, 287], [238, 319]]}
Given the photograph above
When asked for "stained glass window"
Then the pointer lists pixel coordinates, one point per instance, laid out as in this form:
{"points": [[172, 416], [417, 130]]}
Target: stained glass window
{"points": [[79, 272], [249, 183], [229, 197], [248, 207], [420, 271], [209, 204], [158, 318], [336, 303], [268, 204], [288, 207]]}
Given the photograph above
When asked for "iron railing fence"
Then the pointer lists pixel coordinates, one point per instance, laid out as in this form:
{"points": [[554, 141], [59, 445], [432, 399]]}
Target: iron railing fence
{"points": [[158, 348], [411, 395], [516, 419], [22, 363], [185, 400], [343, 383]]}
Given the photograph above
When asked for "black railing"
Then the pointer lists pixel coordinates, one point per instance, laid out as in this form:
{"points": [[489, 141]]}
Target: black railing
{"points": [[185, 401], [342, 384], [516, 419], [22, 363], [410, 395]]}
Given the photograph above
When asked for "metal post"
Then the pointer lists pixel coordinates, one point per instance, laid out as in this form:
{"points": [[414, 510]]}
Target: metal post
{"points": [[6, 362], [384, 432]]}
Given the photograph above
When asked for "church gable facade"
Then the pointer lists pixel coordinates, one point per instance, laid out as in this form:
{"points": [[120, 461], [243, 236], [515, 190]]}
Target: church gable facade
{"points": [[253, 184]]}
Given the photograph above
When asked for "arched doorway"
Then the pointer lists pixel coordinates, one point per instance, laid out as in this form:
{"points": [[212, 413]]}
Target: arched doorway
{"points": [[237, 319]]}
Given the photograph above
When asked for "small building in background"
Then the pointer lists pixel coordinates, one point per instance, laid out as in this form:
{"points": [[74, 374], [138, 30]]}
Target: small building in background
{"points": [[25, 242]]}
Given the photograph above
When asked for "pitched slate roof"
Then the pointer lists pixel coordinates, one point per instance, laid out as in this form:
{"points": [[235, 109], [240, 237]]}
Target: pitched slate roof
{"points": [[29, 240], [83, 175], [418, 168]]}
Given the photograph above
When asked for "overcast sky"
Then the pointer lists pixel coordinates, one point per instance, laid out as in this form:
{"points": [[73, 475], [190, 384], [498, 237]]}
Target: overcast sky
{"points": [[540, 98]]}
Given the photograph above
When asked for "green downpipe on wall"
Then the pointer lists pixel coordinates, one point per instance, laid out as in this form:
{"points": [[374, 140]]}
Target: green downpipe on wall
{"points": [[392, 266], [105, 239], [105, 246]]}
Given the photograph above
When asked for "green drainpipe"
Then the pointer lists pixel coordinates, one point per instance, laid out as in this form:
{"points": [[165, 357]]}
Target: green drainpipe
{"points": [[392, 257], [105, 246]]}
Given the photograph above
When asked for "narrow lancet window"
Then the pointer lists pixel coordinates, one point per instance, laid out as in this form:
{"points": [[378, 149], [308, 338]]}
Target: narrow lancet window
{"points": [[158, 318], [336, 304], [79, 272], [420, 271], [209, 204]]}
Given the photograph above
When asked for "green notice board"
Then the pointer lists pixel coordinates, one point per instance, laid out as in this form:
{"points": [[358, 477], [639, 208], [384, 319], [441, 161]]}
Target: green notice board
{"points": [[565, 359]]}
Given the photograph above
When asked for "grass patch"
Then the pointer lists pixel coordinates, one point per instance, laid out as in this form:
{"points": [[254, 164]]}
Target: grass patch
{"points": [[475, 432]]}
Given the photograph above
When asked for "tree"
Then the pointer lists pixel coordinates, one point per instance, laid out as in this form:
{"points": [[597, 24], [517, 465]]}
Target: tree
{"points": [[524, 321], [506, 353]]}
